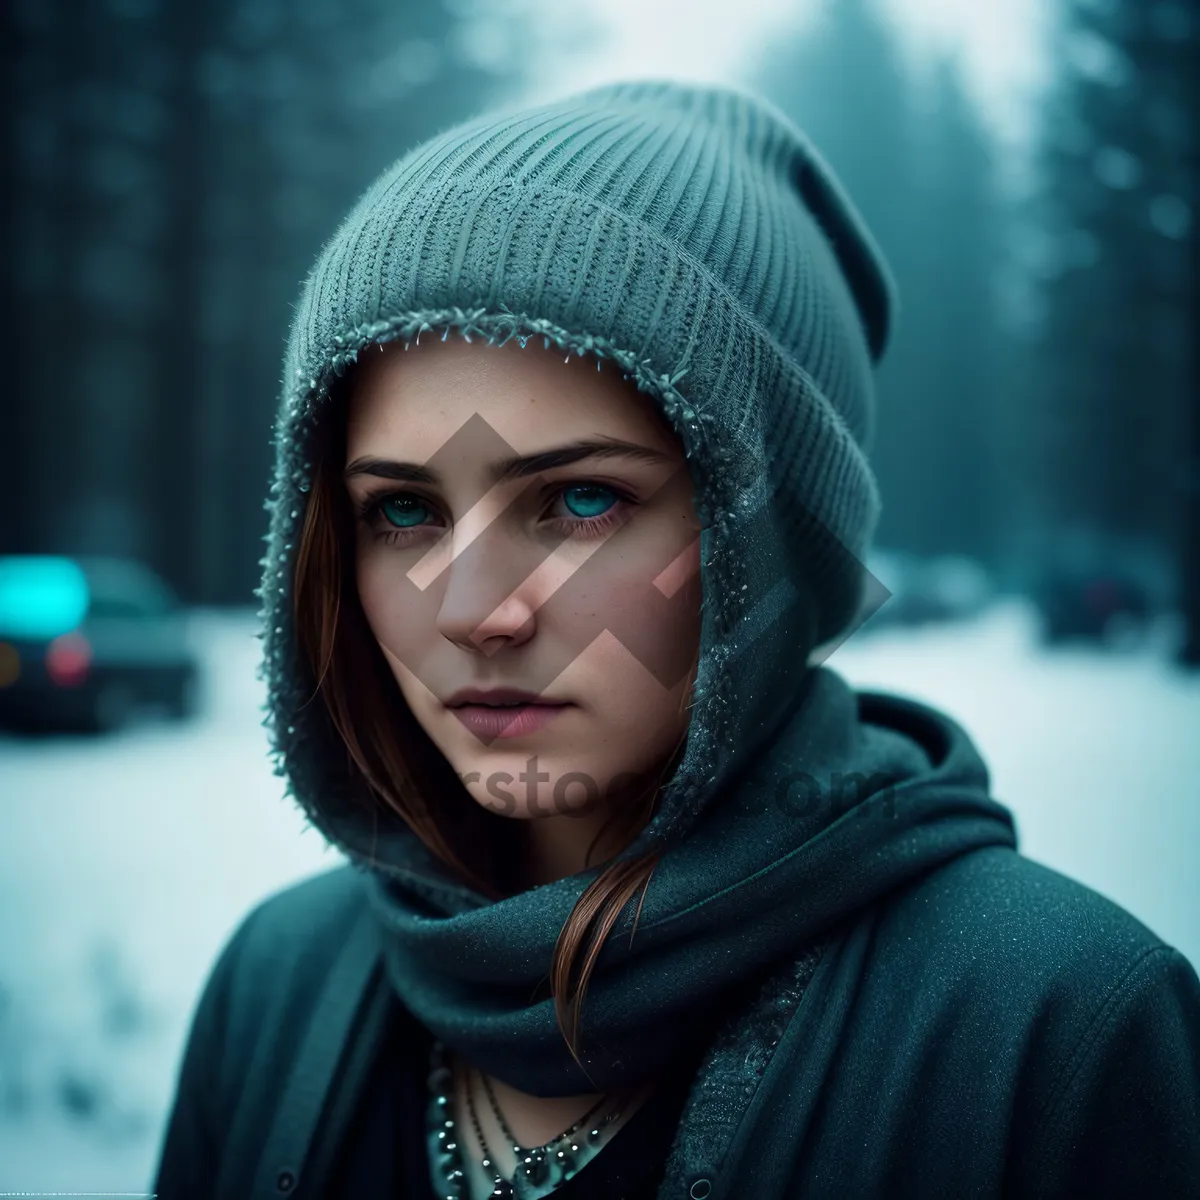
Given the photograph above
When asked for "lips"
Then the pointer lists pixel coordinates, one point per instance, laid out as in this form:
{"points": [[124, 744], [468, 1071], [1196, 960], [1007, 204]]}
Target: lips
{"points": [[489, 722], [500, 697]]}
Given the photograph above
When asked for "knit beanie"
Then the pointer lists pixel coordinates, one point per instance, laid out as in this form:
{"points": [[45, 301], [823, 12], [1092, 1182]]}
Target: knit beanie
{"points": [[693, 235]]}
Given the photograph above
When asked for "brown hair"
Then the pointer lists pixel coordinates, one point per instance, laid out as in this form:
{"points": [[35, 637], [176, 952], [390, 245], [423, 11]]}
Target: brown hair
{"points": [[398, 765]]}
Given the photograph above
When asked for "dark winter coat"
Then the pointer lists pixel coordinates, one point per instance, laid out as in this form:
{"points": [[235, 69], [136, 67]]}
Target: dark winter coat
{"points": [[994, 1029]]}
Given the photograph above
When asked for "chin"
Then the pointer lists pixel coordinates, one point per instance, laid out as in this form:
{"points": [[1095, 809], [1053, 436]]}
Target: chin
{"points": [[518, 807], [529, 783]]}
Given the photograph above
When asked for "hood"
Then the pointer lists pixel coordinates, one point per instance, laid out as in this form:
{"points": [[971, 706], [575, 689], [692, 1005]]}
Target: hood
{"points": [[738, 289], [753, 322]]}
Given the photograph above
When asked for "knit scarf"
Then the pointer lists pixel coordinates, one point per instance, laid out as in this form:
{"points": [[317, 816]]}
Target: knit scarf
{"points": [[854, 796]]}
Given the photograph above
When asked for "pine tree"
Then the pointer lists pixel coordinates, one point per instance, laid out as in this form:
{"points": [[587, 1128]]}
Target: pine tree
{"points": [[1110, 414], [918, 164], [174, 172]]}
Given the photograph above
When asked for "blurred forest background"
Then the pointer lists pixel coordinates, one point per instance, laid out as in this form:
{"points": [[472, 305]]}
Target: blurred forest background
{"points": [[174, 169]]}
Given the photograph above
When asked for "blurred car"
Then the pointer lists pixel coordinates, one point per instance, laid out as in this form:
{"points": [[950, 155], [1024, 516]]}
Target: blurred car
{"points": [[89, 642], [1105, 605], [925, 591]]}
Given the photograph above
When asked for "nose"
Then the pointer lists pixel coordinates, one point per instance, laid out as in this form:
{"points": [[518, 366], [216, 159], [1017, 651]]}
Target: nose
{"points": [[487, 603]]}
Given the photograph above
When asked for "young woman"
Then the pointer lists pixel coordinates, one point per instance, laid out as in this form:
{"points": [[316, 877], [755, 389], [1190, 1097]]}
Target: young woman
{"points": [[643, 900]]}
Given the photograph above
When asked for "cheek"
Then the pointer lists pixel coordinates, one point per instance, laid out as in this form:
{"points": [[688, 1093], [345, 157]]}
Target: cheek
{"points": [[638, 615], [400, 614]]}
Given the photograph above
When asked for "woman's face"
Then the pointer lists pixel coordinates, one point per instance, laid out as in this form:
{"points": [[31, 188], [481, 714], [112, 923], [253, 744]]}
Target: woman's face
{"points": [[572, 577]]}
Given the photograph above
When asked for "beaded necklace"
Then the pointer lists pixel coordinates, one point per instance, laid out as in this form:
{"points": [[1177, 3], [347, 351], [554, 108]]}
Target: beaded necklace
{"points": [[542, 1169]]}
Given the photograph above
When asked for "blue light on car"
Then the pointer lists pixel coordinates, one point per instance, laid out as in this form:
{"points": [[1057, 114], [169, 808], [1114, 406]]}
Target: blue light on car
{"points": [[41, 596]]}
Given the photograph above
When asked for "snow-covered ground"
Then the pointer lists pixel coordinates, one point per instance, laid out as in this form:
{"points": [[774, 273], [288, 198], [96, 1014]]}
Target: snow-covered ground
{"points": [[125, 863]]}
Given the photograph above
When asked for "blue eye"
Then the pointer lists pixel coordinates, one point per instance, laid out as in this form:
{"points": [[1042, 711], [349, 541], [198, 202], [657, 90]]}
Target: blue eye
{"points": [[592, 510], [403, 511], [593, 499]]}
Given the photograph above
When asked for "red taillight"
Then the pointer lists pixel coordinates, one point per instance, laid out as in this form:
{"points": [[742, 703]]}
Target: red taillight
{"points": [[68, 658], [10, 664]]}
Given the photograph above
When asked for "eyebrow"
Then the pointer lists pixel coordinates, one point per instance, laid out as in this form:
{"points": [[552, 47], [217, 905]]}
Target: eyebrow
{"points": [[518, 467]]}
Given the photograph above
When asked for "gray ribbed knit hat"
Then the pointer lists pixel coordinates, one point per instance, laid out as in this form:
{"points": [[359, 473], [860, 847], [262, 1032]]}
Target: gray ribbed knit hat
{"points": [[692, 234]]}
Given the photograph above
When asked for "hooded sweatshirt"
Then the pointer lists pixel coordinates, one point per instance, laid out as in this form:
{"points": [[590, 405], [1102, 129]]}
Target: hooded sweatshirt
{"points": [[873, 991]]}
